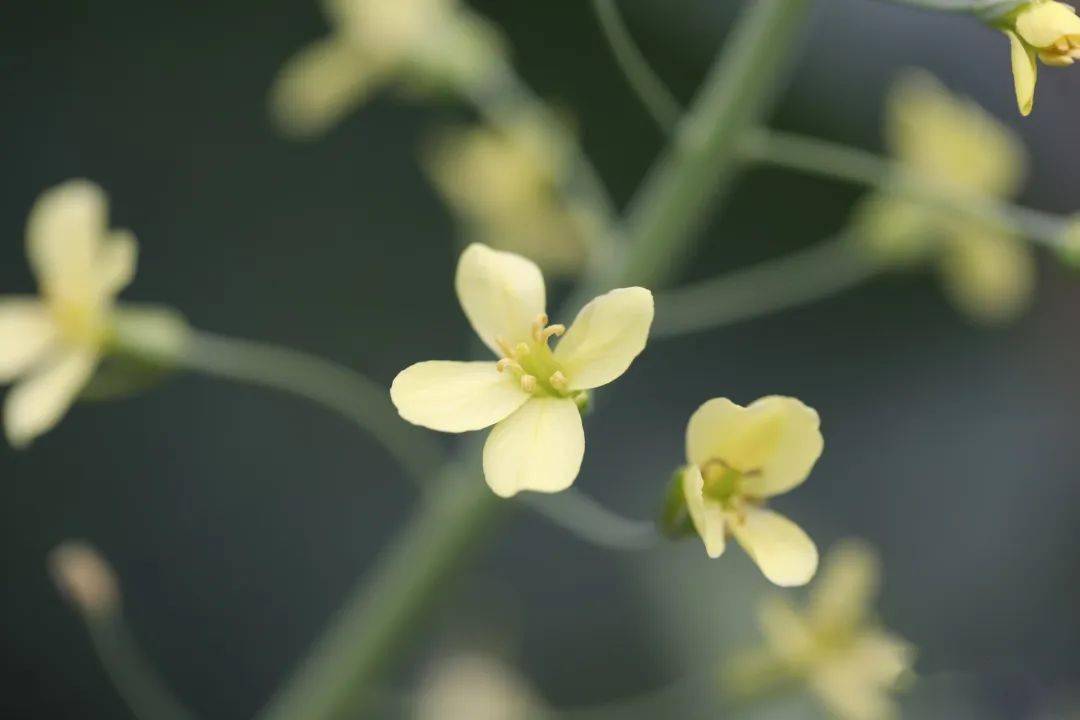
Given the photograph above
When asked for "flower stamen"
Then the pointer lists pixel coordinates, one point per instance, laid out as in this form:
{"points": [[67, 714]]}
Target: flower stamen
{"points": [[559, 381], [507, 364], [528, 383]]}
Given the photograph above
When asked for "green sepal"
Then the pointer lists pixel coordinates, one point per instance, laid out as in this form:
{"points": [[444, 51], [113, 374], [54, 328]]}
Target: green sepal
{"points": [[674, 520]]}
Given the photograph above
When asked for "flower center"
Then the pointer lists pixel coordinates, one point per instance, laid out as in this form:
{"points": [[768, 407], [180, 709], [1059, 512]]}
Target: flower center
{"points": [[533, 363], [725, 483], [80, 323], [1064, 52]]}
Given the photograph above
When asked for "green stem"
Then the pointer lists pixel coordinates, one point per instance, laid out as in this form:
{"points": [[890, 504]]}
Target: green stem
{"points": [[339, 677], [345, 392], [815, 273], [840, 162], [133, 677], [369, 634], [689, 178], [646, 84], [589, 520]]}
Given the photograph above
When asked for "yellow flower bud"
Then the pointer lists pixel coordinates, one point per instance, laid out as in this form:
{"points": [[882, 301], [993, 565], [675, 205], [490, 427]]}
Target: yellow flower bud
{"points": [[1042, 29]]}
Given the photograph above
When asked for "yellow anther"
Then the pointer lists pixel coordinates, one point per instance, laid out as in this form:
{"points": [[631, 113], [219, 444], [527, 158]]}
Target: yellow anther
{"points": [[552, 330], [558, 381], [538, 326], [507, 363], [528, 383], [521, 350]]}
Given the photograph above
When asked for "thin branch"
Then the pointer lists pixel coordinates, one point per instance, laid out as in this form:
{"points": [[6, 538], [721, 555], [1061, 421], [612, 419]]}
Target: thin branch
{"points": [[834, 160], [815, 273], [346, 392], [644, 81]]}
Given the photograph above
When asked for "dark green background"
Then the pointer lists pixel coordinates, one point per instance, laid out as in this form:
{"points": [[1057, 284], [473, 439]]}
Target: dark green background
{"points": [[239, 519]]}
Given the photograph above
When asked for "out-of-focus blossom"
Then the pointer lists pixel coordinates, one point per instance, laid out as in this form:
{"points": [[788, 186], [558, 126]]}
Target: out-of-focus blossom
{"points": [[372, 43], [1044, 30], [475, 687], [738, 458], [532, 394], [503, 185], [51, 345], [953, 146], [834, 645], [85, 578]]}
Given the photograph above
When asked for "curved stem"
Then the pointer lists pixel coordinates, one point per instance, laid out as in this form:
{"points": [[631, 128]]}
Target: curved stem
{"points": [[593, 522], [145, 694], [646, 84], [833, 160], [345, 392], [815, 273]]}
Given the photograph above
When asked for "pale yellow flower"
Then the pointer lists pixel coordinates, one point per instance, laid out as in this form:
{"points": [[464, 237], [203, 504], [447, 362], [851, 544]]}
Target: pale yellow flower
{"points": [[372, 43], [52, 344], [954, 146], [503, 184], [470, 686], [531, 394], [1046, 30], [834, 646], [738, 458]]}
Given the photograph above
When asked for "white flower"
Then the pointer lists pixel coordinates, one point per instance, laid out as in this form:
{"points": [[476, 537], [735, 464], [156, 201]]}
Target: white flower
{"points": [[52, 344], [471, 686], [374, 43], [738, 458], [530, 395], [834, 646]]}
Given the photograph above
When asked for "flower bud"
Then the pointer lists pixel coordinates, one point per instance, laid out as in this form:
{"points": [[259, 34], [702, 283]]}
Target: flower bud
{"points": [[85, 578]]}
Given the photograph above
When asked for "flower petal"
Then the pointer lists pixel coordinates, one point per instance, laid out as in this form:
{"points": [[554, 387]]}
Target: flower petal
{"points": [[320, 85], [538, 448], [455, 396], [37, 403], [26, 332], [855, 683], [501, 293], [775, 440], [842, 595], [1025, 73], [991, 277], [786, 632], [116, 261], [785, 554], [605, 338], [1044, 24], [62, 235], [708, 517]]}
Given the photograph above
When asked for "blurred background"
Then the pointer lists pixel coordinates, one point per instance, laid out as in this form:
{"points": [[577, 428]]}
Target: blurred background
{"points": [[239, 519]]}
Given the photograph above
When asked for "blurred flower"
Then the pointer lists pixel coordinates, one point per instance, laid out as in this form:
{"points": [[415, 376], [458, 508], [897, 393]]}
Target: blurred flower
{"points": [[1043, 29], [834, 646], [50, 346], [503, 184], [953, 146], [85, 578], [372, 43], [53, 344], [740, 456], [475, 687], [531, 394]]}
